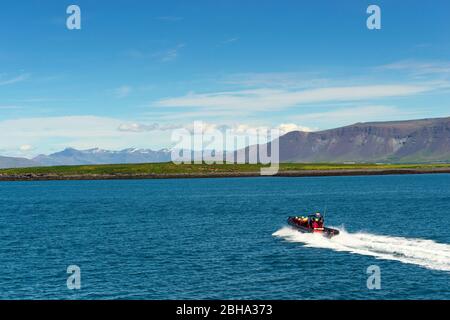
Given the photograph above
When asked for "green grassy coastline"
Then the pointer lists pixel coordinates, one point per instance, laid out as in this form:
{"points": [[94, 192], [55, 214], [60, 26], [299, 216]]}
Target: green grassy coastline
{"points": [[171, 170]]}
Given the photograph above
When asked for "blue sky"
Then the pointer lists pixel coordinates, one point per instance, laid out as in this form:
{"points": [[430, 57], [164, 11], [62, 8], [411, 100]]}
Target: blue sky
{"points": [[138, 69]]}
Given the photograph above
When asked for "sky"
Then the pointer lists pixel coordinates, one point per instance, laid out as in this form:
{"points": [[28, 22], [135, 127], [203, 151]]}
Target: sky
{"points": [[138, 69]]}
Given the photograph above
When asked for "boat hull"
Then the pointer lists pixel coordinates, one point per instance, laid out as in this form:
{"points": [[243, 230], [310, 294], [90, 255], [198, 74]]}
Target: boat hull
{"points": [[326, 232]]}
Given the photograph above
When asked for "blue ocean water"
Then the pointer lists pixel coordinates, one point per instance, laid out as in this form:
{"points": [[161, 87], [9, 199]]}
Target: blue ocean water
{"points": [[225, 238]]}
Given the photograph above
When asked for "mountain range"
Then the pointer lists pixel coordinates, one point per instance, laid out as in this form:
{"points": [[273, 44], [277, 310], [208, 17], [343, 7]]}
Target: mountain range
{"points": [[411, 141], [15, 162], [425, 140], [71, 156]]}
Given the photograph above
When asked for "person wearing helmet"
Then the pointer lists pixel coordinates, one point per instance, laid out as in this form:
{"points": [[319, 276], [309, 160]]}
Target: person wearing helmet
{"points": [[317, 221]]}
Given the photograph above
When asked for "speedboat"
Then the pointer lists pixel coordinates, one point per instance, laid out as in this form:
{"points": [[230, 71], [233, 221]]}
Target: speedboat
{"points": [[312, 224]]}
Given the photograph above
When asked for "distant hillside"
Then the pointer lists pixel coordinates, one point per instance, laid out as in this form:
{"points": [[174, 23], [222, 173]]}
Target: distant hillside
{"points": [[426, 140], [72, 156], [12, 162]]}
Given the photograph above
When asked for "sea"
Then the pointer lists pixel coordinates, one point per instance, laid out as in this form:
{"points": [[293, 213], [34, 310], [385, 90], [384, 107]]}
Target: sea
{"points": [[226, 238]]}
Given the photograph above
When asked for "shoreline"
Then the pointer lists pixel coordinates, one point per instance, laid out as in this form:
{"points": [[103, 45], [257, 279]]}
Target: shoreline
{"points": [[254, 174]]}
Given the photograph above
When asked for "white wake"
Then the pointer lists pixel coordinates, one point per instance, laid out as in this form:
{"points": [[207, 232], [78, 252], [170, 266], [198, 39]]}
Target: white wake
{"points": [[421, 252]]}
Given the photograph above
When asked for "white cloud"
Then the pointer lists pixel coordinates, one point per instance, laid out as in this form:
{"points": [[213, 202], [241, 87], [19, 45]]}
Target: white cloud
{"points": [[139, 127], [419, 67], [288, 127], [275, 99], [6, 81], [293, 80], [32, 136], [197, 115], [245, 128], [25, 147]]}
